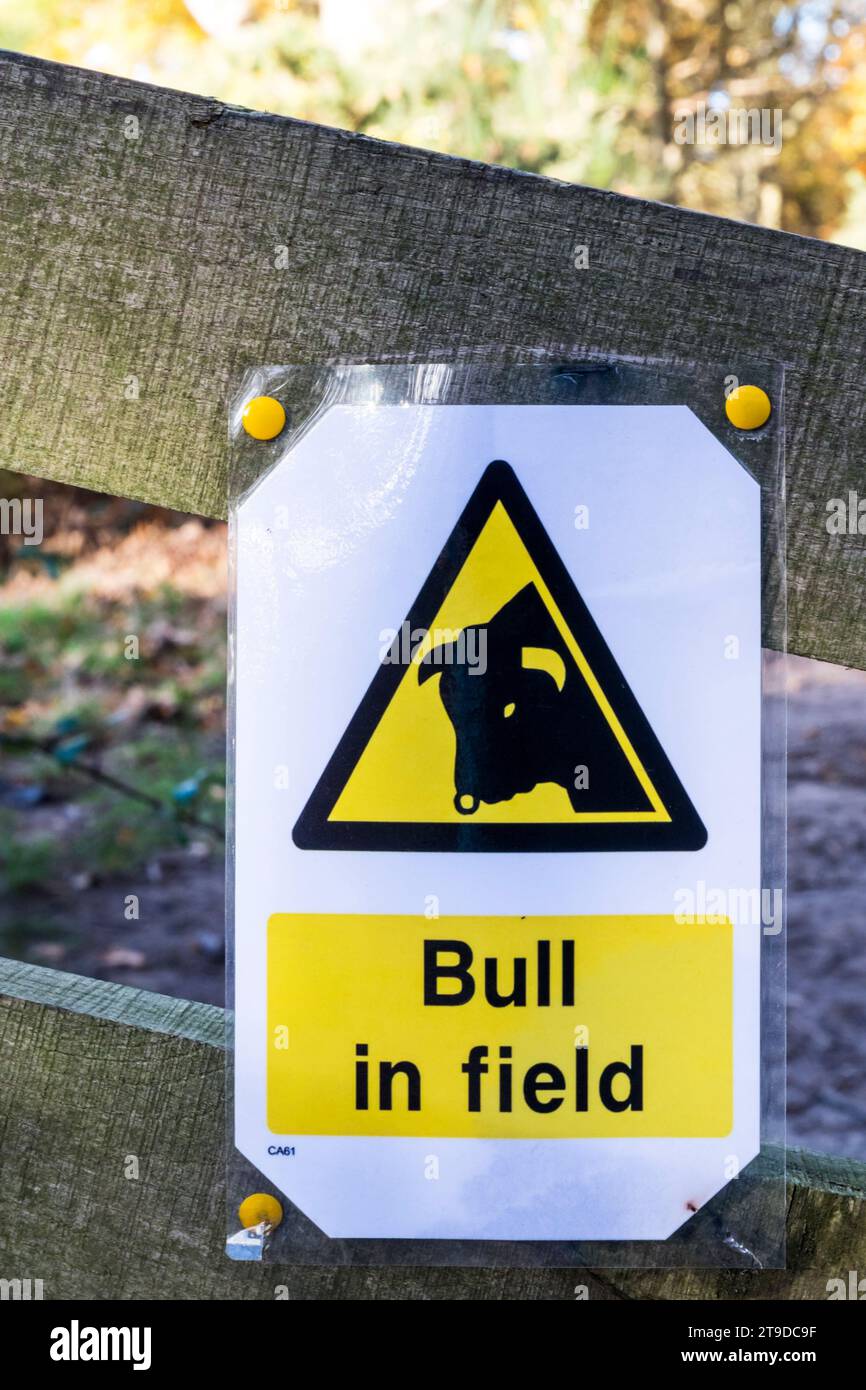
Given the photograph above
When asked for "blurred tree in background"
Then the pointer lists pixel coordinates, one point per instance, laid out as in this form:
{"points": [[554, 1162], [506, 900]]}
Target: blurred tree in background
{"points": [[585, 90], [808, 62]]}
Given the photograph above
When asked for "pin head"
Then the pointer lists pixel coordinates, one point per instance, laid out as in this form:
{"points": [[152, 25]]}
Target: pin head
{"points": [[263, 417], [748, 408], [259, 1207]]}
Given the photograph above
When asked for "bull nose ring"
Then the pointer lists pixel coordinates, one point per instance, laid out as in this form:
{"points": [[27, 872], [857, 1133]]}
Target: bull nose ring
{"points": [[460, 803]]}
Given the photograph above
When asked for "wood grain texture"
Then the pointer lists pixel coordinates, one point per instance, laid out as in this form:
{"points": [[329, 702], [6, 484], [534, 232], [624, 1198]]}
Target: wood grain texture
{"points": [[154, 258], [142, 1008], [82, 1094]]}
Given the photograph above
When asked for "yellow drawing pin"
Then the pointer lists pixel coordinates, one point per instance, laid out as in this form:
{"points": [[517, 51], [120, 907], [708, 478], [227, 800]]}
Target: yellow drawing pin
{"points": [[748, 408], [259, 1207], [263, 417]]}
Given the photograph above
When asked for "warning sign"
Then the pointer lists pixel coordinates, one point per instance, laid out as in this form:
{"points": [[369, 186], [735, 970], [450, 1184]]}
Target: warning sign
{"points": [[480, 1035], [497, 810], [498, 719]]}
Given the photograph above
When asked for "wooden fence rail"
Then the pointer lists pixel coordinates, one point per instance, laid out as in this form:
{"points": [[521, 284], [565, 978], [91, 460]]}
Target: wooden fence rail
{"points": [[96, 1074]]}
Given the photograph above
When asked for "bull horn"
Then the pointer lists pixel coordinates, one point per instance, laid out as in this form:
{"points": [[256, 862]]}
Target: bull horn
{"points": [[433, 661], [544, 659]]}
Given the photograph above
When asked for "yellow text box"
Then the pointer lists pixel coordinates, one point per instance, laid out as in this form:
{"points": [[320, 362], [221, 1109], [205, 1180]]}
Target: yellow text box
{"points": [[619, 1026]]}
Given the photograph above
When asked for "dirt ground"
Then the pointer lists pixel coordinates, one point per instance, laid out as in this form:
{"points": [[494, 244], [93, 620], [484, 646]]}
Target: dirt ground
{"points": [[176, 945], [826, 919], [112, 776]]}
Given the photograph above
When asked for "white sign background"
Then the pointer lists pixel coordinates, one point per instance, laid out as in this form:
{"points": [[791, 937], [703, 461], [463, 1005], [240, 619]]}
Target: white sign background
{"points": [[332, 547]]}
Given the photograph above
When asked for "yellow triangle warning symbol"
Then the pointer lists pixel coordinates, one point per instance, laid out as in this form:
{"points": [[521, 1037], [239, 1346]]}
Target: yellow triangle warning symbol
{"points": [[499, 720]]}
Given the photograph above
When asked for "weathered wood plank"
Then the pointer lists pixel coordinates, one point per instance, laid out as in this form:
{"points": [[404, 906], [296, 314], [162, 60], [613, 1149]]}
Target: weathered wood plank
{"points": [[154, 258], [159, 1013], [83, 1093]]}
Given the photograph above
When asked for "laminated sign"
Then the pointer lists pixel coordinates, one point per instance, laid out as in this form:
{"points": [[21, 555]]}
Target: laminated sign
{"points": [[497, 777]]}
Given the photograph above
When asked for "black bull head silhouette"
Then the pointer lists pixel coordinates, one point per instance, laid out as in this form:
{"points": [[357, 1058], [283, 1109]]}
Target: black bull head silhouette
{"points": [[525, 715]]}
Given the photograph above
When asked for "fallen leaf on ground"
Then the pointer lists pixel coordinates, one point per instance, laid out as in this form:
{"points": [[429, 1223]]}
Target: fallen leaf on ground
{"points": [[123, 958], [48, 951]]}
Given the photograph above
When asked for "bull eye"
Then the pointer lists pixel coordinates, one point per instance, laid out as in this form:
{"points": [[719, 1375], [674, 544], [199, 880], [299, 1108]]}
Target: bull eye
{"points": [[509, 710]]}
